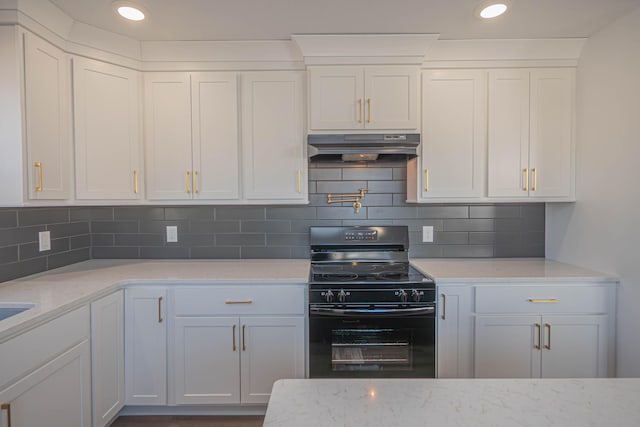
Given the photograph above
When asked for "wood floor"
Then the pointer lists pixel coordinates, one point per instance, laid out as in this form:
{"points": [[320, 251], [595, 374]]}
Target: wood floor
{"points": [[173, 421]]}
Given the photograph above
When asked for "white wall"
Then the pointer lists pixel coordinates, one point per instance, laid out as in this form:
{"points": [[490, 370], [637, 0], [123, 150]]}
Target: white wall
{"points": [[602, 230]]}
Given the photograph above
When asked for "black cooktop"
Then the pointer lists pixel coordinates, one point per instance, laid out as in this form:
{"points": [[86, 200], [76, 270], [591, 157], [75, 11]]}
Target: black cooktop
{"points": [[366, 273]]}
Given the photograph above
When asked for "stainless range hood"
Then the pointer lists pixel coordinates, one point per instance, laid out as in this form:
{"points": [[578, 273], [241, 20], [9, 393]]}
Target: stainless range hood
{"points": [[363, 147]]}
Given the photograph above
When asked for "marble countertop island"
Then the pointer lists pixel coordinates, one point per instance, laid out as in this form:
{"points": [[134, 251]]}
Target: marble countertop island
{"points": [[448, 403]]}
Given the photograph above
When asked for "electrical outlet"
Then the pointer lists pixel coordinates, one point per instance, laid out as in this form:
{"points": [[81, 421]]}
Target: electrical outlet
{"points": [[427, 233], [44, 240], [172, 233]]}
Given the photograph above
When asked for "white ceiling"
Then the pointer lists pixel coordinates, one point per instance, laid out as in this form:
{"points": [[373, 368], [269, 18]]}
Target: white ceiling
{"points": [[278, 19]]}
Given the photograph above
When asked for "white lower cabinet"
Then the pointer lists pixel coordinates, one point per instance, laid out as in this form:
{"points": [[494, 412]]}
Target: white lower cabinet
{"points": [[541, 346], [233, 348], [45, 377], [107, 357], [212, 353], [145, 346], [455, 332], [545, 332]]}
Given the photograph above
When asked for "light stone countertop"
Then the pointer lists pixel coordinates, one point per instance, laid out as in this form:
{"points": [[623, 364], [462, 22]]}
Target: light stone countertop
{"points": [[446, 403], [63, 289], [511, 270]]}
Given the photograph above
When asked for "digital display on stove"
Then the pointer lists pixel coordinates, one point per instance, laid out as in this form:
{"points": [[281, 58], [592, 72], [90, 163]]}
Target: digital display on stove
{"points": [[361, 235]]}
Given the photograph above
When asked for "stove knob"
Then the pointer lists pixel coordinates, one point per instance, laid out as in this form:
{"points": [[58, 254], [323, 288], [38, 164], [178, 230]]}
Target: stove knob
{"points": [[403, 295], [328, 296], [342, 295], [415, 295]]}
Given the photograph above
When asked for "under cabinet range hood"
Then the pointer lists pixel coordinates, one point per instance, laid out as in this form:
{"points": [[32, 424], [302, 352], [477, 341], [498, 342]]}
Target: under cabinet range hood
{"points": [[363, 147]]}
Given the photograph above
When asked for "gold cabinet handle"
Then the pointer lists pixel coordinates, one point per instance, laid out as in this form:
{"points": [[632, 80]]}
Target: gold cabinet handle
{"points": [[160, 319], [299, 179], [239, 302], [543, 300], [535, 179], [525, 171], [368, 110], [536, 345], [195, 182], [548, 334], [243, 340], [38, 166], [234, 337], [7, 407], [426, 180], [186, 183], [135, 182], [443, 316], [360, 110]]}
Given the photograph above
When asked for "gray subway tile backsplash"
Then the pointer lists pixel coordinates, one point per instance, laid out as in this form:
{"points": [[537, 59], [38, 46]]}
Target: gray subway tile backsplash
{"points": [[234, 232]]}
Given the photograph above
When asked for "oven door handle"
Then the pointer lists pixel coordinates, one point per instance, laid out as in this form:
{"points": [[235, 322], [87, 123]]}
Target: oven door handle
{"points": [[376, 312]]}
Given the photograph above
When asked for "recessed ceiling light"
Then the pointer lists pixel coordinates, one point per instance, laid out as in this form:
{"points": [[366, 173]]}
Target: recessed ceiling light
{"points": [[129, 11], [492, 9]]}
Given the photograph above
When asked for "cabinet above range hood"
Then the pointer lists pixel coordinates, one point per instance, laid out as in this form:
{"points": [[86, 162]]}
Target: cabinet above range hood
{"points": [[363, 147]]}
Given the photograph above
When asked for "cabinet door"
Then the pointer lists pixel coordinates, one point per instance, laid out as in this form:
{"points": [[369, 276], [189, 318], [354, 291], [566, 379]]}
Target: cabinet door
{"points": [[507, 347], [454, 133], [107, 357], [206, 360], [551, 132], [167, 101], [574, 346], [336, 98], [58, 394], [107, 136], [508, 144], [272, 349], [145, 346], [391, 97], [47, 105], [274, 162], [455, 337], [215, 135]]}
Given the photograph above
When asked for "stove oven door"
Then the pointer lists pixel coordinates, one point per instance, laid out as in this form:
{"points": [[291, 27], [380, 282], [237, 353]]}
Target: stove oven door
{"points": [[371, 343]]}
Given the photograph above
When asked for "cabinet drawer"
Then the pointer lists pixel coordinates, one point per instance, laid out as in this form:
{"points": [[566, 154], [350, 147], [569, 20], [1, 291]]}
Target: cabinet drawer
{"points": [[240, 299], [33, 348], [542, 299]]}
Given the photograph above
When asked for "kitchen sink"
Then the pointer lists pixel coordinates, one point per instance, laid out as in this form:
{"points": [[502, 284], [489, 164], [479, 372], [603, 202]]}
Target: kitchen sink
{"points": [[11, 309]]}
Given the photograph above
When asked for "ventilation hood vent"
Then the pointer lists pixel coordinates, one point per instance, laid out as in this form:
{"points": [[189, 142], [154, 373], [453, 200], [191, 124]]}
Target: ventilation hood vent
{"points": [[363, 147]]}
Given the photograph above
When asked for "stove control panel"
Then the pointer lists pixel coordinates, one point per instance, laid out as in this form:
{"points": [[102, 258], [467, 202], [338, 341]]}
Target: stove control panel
{"points": [[361, 235]]}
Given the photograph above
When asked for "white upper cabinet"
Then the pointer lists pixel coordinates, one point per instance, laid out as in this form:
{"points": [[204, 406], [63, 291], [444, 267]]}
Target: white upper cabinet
{"points": [[531, 134], [273, 142], [167, 99], [372, 97], [191, 123], [107, 132], [214, 109], [47, 107], [453, 149]]}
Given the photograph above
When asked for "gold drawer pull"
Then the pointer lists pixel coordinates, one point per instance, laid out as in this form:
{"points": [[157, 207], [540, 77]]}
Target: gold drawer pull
{"points": [[244, 348], [234, 337], [38, 165], [135, 181], [186, 182], [548, 300], [548, 344], [195, 182], [535, 179], [7, 407], [426, 180], [368, 110], [239, 302], [360, 110], [299, 179], [538, 335]]}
